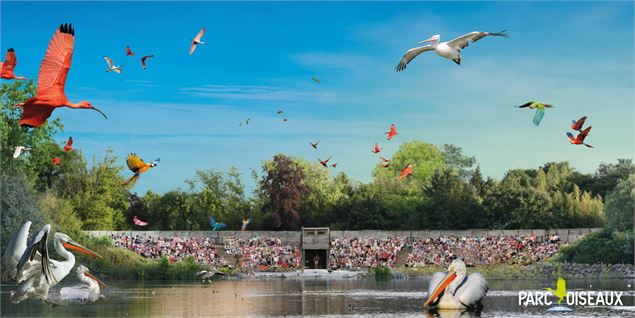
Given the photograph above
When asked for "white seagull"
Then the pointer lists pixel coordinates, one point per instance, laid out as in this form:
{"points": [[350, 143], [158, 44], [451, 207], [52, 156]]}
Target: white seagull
{"points": [[450, 50], [111, 66], [456, 290], [197, 40], [18, 151], [35, 272], [89, 291]]}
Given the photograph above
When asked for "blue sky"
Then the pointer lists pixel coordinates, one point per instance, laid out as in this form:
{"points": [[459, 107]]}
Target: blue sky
{"points": [[260, 58]]}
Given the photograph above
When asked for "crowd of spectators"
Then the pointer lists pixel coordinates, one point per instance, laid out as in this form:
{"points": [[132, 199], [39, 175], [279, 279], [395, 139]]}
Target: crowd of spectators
{"points": [[263, 253], [359, 253]]}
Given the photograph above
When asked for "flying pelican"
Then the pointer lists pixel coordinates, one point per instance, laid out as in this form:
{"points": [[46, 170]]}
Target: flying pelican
{"points": [[6, 67], [18, 151], [450, 50], [207, 275], [456, 289], [111, 66], [35, 272], [197, 40], [89, 291]]}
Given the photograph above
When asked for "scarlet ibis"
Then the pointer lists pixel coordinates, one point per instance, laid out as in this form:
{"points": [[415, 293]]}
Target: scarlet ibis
{"points": [[579, 139], [376, 149], [57, 161], [138, 166], [540, 110], [406, 172], [577, 125], [245, 223], [138, 222], [325, 162], [314, 145], [384, 159], [386, 165], [316, 79], [69, 145], [18, 151], [10, 61], [197, 40], [450, 50], [51, 80], [111, 66], [392, 132], [216, 226], [129, 51], [143, 60], [334, 165]]}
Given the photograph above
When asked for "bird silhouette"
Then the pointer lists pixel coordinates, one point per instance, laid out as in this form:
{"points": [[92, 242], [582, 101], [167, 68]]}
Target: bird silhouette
{"points": [[69, 145], [316, 79], [561, 290], [6, 67], [111, 66], [392, 132], [51, 80], [314, 145], [376, 149], [384, 159], [143, 60], [540, 110], [324, 162], [197, 40], [334, 165], [579, 139], [129, 51], [138, 166]]}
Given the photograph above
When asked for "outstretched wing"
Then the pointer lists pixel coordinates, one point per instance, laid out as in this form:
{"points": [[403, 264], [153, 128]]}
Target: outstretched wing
{"points": [[200, 34], [584, 133], [135, 163], [69, 143], [578, 124], [571, 137], [57, 62], [109, 61], [410, 55], [527, 104], [9, 63], [463, 41], [540, 113], [212, 222], [473, 290]]}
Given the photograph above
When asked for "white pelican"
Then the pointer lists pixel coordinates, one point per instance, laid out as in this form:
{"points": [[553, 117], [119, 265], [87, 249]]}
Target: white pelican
{"points": [[87, 292], [456, 290], [36, 273], [111, 66], [207, 275], [18, 151], [450, 50], [13, 253]]}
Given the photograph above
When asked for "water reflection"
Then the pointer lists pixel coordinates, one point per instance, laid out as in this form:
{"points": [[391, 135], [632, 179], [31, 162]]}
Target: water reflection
{"points": [[296, 297]]}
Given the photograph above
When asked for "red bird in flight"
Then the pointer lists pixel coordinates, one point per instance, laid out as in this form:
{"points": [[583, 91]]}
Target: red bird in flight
{"points": [[57, 161], [6, 67], [579, 139], [334, 165], [376, 149], [384, 159], [69, 145], [138, 222], [392, 132], [577, 125], [314, 145], [129, 51], [51, 80], [386, 165], [406, 171], [143, 60], [325, 163]]}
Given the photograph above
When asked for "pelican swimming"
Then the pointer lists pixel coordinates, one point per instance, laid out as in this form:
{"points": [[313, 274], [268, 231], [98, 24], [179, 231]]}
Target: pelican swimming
{"points": [[450, 50], [35, 272], [207, 275], [89, 291], [456, 290]]}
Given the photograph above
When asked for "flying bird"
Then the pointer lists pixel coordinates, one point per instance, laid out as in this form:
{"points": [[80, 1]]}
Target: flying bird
{"points": [[111, 66], [69, 145], [314, 145], [57, 161], [6, 67], [376, 149], [245, 223], [406, 172], [35, 272], [285, 120], [51, 80], [88, 291], [386, 165], [577, 125], [207, 275], [540, 110], [216, 226], [456, 289], [384, 159], [138, 166], [334, 165], [316, 79], [246, 122], [143, 60], [18, 151], [280, 112], [138, 222], [197, 40], [129, 51], [325, 162], [392, 132], [450, 50], [579, 139]]}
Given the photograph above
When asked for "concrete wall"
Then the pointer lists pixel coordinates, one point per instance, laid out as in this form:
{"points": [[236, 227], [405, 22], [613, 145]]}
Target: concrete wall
{"points": [[566, 235]]}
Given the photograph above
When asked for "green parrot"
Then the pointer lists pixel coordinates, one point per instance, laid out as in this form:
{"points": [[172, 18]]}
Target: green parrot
{"points": [[540, 110]]}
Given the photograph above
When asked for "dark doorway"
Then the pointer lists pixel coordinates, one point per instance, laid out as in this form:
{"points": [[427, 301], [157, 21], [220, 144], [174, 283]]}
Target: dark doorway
{"points": [[313, 256]]}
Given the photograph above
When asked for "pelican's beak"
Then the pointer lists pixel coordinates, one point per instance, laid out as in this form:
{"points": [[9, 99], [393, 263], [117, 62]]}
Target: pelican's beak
{"points": [[97, 109], [428, 40], [449, 277], [88, 274], [72, 245]]}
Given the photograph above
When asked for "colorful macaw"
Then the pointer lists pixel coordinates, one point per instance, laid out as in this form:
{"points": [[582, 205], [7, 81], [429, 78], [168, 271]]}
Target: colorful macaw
{"points": [[577, 124], [579, 139], [324, 163], [540, 110], [245, 223], [216, 226], [376, 149], [392, 132], [138, 166]]}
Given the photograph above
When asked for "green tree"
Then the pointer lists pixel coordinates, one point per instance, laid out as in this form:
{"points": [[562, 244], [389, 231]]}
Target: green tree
{"points": [[620, 204], [425, 158], [284, 189], [455, 159]]}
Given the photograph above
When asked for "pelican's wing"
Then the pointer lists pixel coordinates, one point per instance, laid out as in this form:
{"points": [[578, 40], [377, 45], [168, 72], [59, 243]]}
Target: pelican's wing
{"points": [[57, 62], [9, 63], [192, 48], [473, 290], [135, 163], [200, 34], [410, 55], [435, 280], [14, 251], [463, 41], [540, 113], [37, 244], [75, 293], [109, 61], [117, 70]]}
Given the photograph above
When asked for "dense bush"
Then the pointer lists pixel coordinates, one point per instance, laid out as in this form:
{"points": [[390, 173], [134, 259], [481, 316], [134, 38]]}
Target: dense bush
{"points": [[606, 246]]}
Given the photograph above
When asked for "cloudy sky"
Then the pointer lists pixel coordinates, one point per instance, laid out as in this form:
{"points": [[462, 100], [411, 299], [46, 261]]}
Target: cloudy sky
{"points": [[260, 57]]}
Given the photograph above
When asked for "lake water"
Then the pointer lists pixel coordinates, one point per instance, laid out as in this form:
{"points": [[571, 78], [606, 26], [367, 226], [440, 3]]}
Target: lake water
{"points": [[309, 296]]}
